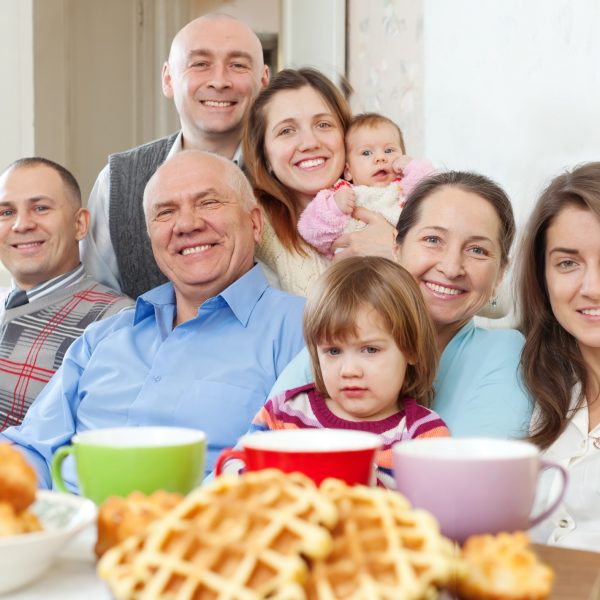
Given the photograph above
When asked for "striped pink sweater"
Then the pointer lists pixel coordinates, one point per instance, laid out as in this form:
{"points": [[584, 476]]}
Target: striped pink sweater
{"points": [[305, 408]]}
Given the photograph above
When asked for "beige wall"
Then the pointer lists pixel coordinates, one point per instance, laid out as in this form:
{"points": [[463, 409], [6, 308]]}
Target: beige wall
{"points": [[261, 15], [386, 63]]}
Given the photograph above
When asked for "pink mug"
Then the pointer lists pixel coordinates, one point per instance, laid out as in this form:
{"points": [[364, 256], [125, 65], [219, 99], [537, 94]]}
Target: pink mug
{"points": [[474, 485], [318, 453]]}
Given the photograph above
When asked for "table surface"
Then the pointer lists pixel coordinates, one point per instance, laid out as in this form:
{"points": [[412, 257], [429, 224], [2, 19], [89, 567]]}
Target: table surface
{"points": [[74, 574]]}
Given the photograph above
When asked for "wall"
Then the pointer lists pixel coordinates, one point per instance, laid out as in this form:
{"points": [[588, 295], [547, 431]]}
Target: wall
{"points": [[512, 89]]}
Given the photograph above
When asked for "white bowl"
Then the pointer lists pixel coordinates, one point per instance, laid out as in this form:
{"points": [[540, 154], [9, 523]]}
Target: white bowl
{"points": [[23, 558]]}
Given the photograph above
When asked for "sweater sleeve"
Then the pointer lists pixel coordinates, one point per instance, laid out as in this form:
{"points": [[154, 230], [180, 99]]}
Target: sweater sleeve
{"points": [[414, 172], [322, 222]]}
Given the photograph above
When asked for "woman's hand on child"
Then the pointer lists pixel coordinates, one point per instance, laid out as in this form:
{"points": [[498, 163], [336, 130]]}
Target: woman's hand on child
{"points": [[400, 163], [377, 239], [345, 198]]}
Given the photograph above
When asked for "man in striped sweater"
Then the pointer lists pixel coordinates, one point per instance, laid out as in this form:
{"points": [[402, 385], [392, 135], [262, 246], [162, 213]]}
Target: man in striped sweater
{"points": [[51, 299]]}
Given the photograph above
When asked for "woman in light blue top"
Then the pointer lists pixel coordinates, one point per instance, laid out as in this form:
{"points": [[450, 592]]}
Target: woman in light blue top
{"points": [[454, 237]]}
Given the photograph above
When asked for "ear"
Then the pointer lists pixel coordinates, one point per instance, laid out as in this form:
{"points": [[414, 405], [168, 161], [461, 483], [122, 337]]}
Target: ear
{"points": [[167, 88], [397, 253], [347, 174], [256, 217], [498, 281], [265, 77], [82, 223]]}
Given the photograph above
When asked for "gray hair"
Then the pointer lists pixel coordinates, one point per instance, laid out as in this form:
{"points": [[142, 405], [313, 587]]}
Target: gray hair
{"points": [[230, 172]]}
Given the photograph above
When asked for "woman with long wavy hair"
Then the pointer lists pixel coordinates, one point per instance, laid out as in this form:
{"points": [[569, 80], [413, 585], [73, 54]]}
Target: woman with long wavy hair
{"points": [[559, 295]]}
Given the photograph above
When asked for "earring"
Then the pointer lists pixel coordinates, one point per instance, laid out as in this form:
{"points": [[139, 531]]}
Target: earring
{"points": [[494, 301], [269, 169]]}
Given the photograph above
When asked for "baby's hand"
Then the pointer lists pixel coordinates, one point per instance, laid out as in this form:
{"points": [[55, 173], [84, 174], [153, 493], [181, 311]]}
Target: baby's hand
{"points": [[345, 200], [400, 164]]}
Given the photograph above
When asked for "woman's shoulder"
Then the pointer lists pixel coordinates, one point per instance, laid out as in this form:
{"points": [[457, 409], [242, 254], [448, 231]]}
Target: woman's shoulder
{"points": [[488, 339]]}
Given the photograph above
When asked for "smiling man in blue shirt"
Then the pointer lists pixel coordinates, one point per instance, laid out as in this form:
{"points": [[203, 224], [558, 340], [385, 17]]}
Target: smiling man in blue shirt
{"points": [[200, 351]]}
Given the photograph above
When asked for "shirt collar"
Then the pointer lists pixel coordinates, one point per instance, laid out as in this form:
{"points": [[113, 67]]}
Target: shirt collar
{"points": [[241, 297], [177, 146], [52, 285]]}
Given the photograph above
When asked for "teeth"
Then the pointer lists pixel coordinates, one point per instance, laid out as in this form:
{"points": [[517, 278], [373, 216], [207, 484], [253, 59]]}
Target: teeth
{"points": [[592, 312], [195, 249], [28, 245], [313, 162], [216, 104], [440, 289]]}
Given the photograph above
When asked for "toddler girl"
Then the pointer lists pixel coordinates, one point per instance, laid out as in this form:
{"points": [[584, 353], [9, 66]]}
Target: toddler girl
{"points": [[381, 175], [374, 355]]}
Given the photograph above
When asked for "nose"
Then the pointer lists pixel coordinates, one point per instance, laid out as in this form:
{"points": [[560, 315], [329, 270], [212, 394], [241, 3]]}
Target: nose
{"points": [[219, 79], [187, 221], [350, 366], [308, 140], [381, 157], [590, 285], [451, 263], [23, 222]]}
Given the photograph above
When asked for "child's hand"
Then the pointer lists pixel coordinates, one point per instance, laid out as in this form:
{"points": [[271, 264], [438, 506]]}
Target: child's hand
{"points": [[345, 200], [400, 163]]}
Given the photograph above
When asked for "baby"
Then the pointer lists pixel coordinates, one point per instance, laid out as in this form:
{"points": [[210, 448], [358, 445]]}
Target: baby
{"points": [[374, 355], [381, 175]]}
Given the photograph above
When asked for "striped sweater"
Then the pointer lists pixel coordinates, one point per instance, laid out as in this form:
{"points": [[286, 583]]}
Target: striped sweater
{"points": [[305, 408], [34, 338]]}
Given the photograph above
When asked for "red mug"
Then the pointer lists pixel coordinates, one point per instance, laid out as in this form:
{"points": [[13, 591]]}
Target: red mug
{"points": [[345, 454]]}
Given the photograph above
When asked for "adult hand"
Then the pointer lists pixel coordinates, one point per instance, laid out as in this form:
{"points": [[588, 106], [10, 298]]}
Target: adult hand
{"points": [[378, 238]]}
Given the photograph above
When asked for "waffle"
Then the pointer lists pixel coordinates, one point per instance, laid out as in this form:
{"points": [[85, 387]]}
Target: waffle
{"points": [[119, 518], [382, 549], [502, 567], [238, 538]]}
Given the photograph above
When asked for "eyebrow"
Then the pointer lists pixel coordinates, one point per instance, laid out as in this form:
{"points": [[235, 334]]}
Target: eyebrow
{"points": [[207, 52], [31, 199], [471, 238], [293, 119], [198, 196], [562, 250]]}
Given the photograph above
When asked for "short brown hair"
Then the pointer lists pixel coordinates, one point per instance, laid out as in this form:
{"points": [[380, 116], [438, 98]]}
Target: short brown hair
{"points": [[68, 179], [551, 359], [468, 182], [378, 283], [372, 120], [275, 197]]}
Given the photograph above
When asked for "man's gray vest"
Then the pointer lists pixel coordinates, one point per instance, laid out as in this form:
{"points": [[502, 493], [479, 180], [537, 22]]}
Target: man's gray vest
{"points": [[129, 174]]}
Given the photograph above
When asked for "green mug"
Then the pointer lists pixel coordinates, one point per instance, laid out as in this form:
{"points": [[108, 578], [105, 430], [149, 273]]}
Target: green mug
{"points": [[118, 461]]}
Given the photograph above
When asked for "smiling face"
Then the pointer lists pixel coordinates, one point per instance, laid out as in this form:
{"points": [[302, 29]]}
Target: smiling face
{"points": [[371, 150], [40, 225], [453, 251], [214, 71], [572, 272], [202, 237], [363, 375], [304, 142]]}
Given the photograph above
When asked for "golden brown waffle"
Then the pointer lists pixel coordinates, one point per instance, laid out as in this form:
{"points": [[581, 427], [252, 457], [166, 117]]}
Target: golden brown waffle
{"points": [[503, 567], [382, 549], [238, 538], [119, 518]]}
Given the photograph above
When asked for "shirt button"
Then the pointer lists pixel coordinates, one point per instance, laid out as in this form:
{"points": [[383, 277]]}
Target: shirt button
{"points": [[564, 523], [157, 378]]}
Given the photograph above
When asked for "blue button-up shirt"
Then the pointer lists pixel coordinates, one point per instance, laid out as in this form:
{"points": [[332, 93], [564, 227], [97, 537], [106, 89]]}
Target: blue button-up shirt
{"points": [[212, 373]]}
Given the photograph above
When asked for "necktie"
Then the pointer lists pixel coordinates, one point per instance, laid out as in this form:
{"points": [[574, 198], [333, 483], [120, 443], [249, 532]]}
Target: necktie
{"points": [[16, 298]]}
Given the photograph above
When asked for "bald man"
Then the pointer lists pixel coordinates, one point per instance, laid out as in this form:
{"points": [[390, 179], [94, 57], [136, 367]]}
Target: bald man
{"points": [[214, 71], [202, 350]]}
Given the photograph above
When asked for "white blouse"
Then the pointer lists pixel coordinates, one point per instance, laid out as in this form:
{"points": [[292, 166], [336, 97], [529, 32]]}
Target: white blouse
{"points": [[576, 522]]}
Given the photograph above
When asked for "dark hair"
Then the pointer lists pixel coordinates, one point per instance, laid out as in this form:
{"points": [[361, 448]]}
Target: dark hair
{"points": [[68, 179], [275, 197], [356, 283], [372, 120], [468, 182], [551, 360]]}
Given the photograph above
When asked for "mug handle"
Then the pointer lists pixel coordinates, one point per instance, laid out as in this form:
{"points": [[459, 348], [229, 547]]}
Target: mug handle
{"points": [[226, 455], [57, 461], [547, 464]]}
